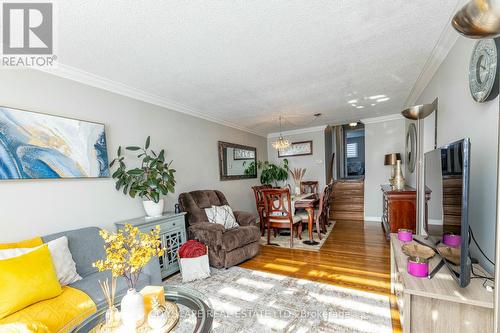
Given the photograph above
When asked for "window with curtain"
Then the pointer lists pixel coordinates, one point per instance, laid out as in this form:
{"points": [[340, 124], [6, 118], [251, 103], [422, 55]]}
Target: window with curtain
{"points": [[352, 150]]}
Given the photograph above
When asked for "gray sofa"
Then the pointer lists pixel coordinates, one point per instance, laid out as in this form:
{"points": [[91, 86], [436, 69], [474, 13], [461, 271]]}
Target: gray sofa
{"points": [[87, 246]]}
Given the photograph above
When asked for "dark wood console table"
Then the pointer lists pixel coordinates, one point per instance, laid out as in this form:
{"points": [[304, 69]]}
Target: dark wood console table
{"points": [[399, 209]]}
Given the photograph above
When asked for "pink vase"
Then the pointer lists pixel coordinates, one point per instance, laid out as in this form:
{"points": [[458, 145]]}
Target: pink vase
{"points": [[405, 235], [418, 267]]}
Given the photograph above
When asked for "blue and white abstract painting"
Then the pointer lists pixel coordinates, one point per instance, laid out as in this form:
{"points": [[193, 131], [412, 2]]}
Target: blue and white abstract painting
{"points": [[39, 146]]}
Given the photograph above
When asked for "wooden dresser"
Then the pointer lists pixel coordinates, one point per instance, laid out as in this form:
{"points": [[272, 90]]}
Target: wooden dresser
{"points": [[438, 305], [399, 208]]}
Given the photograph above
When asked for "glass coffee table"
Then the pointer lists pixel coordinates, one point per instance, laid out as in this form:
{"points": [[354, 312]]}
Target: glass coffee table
{"points": [[195, 312]]}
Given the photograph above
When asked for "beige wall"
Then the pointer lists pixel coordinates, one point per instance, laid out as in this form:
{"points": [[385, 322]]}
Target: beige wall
{"points": [[381, 137], [315, 163], [37, 207], [460, 116]]}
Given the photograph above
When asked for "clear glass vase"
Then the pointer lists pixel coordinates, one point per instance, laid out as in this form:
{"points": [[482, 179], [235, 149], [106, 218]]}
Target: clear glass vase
{"points": [[297, 190], [112, 317]]}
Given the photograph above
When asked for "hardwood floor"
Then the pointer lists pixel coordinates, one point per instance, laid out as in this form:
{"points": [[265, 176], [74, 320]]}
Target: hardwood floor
{"points": [[355, 255]]}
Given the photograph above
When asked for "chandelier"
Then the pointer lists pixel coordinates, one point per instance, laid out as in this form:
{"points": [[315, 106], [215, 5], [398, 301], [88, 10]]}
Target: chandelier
{"points": [[281, 143]]}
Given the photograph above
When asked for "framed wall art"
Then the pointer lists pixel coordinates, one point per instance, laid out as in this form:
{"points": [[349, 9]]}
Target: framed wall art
{"points": [[40, 146], [243, 154], [297, 149]]}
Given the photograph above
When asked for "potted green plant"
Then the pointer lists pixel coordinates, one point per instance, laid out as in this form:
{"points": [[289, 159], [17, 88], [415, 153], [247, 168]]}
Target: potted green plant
{"points": [[272, 173], [152, 179]]}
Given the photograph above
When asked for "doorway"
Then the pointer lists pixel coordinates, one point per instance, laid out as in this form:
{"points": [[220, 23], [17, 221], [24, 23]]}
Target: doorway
{"points": [[348, 189], [354, 151]]}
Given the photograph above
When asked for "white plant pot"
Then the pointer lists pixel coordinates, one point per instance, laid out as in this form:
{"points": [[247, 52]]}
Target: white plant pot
{"points": [[152, 208], [132, 309]]}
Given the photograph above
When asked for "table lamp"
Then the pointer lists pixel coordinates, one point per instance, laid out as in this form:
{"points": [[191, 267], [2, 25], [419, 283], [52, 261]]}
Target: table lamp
{"points": [[391, 159]]}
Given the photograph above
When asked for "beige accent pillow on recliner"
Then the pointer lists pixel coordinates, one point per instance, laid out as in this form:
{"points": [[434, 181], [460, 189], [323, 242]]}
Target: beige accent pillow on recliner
{"points": [[222, 215]]}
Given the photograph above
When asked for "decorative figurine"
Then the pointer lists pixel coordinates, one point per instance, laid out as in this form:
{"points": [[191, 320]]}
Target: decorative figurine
{"points": [[157, 318]]}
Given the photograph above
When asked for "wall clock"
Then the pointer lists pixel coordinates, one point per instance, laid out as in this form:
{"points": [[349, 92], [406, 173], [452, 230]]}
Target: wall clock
{"points": [[483, 67]]}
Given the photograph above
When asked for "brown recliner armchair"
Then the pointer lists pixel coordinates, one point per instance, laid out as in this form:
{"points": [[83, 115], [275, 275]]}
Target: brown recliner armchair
{"points": [[226, 248]]}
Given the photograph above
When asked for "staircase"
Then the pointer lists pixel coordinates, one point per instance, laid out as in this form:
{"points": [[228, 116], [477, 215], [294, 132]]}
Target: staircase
{"points": [[348, 200]]}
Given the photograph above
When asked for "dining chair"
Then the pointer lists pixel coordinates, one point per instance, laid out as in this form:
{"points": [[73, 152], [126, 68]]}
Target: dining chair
{"points": [[261, 207], [310, 186], [330, 200], [327, 204], [279, 214], [320, 214]]}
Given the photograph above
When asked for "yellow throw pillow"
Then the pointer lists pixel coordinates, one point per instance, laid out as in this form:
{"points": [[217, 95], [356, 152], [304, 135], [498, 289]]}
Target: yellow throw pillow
{"points": [[33, 242], [31, 327], [27, 279]]}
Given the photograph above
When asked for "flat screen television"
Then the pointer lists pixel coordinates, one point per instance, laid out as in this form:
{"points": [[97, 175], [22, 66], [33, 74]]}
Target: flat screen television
{"points": [[447, 171]]}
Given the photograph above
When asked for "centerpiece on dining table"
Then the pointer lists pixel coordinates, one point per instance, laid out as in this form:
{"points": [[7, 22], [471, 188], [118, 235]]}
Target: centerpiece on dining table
{"points": [[128, 251], [297, 175]]}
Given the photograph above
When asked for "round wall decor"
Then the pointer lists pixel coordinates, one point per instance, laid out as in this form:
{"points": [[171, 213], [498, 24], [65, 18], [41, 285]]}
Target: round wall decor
{"points": [[483, 67], [411, 147]]}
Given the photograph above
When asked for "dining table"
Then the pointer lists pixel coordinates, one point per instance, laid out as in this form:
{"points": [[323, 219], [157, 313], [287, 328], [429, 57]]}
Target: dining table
{"points": [[308, 202]]}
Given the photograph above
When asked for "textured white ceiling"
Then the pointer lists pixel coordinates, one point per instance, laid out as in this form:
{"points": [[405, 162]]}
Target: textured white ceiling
{"points": [[246, 62]]}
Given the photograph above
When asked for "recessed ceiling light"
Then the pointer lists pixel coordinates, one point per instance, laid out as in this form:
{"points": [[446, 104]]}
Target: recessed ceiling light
{"points": [[352, 101], [383, 99], [353, 124], [360, 107], [373, 104], [376, 96]]}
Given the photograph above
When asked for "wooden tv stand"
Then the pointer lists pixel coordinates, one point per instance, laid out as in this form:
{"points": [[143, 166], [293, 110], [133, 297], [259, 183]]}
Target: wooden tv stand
{"points": [[438, 304]]}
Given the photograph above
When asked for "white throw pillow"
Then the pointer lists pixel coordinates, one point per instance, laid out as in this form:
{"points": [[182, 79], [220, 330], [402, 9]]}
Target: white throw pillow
{"points": [[61, 257], [222, 215], [210, 212]]}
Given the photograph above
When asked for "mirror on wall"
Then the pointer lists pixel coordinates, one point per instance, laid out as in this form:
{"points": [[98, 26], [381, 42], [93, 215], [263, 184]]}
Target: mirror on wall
{"points": [[237, 161], [411, 147]]}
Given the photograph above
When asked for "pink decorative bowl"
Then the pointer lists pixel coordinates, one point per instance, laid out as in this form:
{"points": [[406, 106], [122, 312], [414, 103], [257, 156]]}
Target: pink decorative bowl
{"points": [[418, 266], [405, 235], [452, 240]]}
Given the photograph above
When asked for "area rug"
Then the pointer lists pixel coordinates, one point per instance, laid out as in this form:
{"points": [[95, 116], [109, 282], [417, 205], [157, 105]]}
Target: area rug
{"points": [[284, 240], [249, 301]]}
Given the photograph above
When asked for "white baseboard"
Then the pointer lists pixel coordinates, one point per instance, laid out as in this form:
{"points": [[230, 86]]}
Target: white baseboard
{"points": [[435, 222], [373, 219]]}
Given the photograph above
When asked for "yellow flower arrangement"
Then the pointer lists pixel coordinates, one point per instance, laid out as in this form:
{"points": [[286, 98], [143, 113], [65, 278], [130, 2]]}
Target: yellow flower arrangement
{"points": [[128, 251]]}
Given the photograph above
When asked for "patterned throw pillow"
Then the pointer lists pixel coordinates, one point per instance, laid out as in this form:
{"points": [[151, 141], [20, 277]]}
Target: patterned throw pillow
{"points": [[61, 258], [222, 215]]}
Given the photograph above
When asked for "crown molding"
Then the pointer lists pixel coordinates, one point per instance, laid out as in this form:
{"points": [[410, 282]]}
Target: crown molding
{"points": [[297, 131], [75, 74], [446, 40], [381, 119]]}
